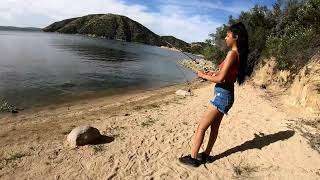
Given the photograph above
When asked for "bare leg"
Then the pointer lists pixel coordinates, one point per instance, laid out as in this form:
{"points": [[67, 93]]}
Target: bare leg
{"points": [[210, 116], [213, 135]]}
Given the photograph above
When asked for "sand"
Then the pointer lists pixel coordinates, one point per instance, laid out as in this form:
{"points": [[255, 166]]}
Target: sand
{"points": [[147, 131]]}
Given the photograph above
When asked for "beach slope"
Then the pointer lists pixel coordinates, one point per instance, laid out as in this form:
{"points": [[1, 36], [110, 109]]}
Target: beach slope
{"points": [[148, 131]]}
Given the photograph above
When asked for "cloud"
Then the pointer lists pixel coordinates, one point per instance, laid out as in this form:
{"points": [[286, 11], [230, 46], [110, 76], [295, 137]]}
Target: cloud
{"points": [[189, 28], [232, 7], [171, 19]]}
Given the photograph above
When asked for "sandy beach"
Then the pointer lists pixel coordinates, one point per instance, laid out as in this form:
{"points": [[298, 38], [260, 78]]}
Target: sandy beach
{"points": [[145, 133]]}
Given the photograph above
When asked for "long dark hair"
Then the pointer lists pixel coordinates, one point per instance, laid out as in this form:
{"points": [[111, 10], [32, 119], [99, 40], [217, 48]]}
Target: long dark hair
{"points": [[240, 31]]}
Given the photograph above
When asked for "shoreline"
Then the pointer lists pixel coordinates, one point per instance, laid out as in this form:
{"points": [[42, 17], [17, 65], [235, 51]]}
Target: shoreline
{"points": [[104, 96], [100, 94]]}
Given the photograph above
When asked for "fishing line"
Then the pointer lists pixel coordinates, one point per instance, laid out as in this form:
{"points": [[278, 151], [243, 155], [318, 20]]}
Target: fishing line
{"points": [[187, 81], [184, 53]]}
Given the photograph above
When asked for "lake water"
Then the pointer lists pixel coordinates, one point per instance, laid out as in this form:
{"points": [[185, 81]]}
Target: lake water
{"points": [[41, 68]]}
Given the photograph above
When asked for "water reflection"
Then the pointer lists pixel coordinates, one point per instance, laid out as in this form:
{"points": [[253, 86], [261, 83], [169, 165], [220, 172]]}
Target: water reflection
{"points": [[40, 68]]}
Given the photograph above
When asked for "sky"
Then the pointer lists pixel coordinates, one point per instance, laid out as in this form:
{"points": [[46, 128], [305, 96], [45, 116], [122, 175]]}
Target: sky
{"points": [[189, 20]]}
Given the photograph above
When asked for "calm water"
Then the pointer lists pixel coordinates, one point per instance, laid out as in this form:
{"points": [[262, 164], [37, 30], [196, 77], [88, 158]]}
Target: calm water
{"points": [[42, 68]]}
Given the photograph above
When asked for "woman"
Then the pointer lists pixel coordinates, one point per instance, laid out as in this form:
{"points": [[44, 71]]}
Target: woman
{"points": [[233, 68]]}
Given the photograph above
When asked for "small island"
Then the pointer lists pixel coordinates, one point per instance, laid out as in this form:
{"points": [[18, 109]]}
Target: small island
{"points": [[117, 27]]}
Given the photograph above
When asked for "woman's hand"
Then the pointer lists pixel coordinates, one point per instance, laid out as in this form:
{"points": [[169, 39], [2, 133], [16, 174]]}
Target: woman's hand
{"points": [[201, 74], [211, 73]]}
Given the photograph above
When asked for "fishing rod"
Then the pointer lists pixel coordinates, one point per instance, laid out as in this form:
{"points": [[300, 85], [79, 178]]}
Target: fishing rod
{"points": [[184, 53], [189, 90]]}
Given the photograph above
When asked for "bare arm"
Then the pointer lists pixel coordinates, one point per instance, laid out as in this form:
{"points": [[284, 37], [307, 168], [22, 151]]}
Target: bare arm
{"points": [[221, 76]]}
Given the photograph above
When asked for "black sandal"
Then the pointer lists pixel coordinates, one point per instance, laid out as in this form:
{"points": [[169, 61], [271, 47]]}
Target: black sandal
{"points": [[203, 157], [188, 160]]}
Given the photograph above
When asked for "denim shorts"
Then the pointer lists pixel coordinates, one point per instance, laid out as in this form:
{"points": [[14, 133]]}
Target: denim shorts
{"points": [[223, 98]]}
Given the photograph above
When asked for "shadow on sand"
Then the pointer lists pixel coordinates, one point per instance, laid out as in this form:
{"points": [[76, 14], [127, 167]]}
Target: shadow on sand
{"points": [[103, 140], [258, 142]]}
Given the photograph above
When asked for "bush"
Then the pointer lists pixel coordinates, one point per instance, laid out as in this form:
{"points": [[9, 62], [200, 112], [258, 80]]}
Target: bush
{"points": [[287, 47], [309, 14], [288, 32], [214, 53]]}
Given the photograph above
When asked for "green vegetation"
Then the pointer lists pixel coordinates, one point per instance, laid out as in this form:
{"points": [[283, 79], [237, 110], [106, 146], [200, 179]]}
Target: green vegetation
{"points": [[289, 31], [150, 121], [97, 148], [6, 107], [177, 43], [13, 157]]}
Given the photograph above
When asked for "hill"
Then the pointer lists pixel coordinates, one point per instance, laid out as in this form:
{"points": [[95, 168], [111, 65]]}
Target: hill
{"points": [[13, 28], [112, 26]]}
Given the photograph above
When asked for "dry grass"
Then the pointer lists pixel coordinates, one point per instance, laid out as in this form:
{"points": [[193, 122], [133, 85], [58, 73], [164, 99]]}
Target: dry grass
{"points": [[11, 159], [150, 121], [244, 170], [309, 129]]}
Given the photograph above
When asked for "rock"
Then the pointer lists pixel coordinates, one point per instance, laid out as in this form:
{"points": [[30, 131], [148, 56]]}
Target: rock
{"points": [[265, 74], [303, 92], [183, 93], [283, 76], [305, 89], [198, 65], [83, 135]]}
